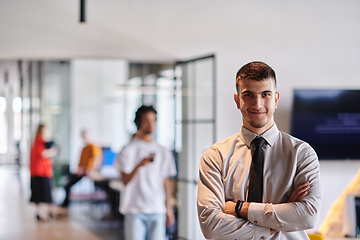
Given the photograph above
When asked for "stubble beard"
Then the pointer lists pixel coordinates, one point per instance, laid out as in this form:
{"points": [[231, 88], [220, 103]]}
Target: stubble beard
{"points": [[257, 124], [146, 131]]}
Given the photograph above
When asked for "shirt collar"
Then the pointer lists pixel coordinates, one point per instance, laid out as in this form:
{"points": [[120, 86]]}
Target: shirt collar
{"points": [[270, 135]]}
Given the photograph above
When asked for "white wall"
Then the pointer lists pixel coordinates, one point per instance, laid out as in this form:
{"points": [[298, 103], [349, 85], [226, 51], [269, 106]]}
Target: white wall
{"points": [[96, 104]]}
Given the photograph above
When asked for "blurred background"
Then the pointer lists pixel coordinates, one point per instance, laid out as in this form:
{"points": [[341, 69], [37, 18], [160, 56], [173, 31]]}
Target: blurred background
{"points": [[179, 56]]}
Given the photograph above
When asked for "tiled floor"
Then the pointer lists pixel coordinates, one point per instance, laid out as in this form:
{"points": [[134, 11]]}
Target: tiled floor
{"points": [[17, 215]]}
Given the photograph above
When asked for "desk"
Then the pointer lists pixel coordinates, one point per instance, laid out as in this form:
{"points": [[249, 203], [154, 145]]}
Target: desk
{"points": [[116, 185], [98, 177], [113, 187]]}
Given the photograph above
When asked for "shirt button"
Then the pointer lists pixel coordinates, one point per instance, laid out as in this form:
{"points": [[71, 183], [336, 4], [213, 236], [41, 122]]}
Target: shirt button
{"points": [[262, 237], [255, 222]]}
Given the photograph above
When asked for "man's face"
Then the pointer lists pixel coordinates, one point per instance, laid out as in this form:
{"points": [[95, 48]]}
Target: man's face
{"points": [[148, 122], [85, 135], [257, 102]]}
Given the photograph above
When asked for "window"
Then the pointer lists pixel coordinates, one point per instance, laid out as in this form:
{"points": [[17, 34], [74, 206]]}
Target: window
{"points": [[3, 126], [17, 106]]}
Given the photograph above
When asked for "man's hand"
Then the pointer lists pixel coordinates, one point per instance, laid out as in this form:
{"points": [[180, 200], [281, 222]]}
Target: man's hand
{"points": [[80, 172], [299, 192], [230, 208], [170, 218], [126, 177], [145, 161]]}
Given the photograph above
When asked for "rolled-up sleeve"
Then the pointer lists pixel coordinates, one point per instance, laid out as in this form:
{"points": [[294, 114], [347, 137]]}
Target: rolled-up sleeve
{"points": [[214, 222]]}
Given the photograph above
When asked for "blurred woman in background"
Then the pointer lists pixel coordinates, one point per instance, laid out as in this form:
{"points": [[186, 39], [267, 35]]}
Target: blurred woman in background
{"points": [[41, 171]]}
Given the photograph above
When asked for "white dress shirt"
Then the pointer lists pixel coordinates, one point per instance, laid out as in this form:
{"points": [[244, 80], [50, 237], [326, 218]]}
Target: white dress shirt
{"points": [[224, 175]]}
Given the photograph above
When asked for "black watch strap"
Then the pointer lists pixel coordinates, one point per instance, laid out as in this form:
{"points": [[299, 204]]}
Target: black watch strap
{"points": [[238, 208]]}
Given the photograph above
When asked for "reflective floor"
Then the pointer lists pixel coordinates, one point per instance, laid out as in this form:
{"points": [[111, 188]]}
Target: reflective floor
{"points": [[18, 222]]}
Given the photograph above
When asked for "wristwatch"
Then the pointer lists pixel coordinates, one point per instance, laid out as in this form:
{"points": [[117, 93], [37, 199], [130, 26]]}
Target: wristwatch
{"points": [[238, 208]]}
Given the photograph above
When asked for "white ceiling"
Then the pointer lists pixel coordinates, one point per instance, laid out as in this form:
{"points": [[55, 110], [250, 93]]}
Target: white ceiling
{"points": [[167, 30], [132, 29]]}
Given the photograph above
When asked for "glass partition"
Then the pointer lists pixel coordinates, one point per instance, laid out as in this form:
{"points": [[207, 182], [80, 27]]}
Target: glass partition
{"points": [[195, 132]]}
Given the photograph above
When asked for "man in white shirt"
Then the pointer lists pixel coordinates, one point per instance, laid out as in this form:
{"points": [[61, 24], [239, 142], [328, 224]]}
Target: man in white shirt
{"points": [[145, 168], [290, 189]]}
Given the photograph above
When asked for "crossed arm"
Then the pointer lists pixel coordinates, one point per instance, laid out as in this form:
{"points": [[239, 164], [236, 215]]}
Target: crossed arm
{"points": [[217, 216], [297, 194], [218, 221]]}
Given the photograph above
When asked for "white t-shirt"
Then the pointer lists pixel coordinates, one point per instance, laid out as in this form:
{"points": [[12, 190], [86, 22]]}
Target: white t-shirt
{"points": [[145, 192]]}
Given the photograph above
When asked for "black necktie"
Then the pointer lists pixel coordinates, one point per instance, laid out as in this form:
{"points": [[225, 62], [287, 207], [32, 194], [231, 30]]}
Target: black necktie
{"points": [[256, 172]]}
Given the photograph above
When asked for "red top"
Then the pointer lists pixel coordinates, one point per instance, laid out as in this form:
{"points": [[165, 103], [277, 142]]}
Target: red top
{"points": [[40, 166]]}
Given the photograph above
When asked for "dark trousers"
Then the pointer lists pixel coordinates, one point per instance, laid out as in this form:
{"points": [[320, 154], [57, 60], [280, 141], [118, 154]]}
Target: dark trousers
{"points": [[73, 178]]}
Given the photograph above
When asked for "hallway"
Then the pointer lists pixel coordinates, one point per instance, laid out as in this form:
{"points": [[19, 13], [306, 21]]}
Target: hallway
{"points": [[18, 222]]}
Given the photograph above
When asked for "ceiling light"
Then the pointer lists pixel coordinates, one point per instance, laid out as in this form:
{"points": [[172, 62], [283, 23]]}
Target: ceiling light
{"points": [[82, 11]]}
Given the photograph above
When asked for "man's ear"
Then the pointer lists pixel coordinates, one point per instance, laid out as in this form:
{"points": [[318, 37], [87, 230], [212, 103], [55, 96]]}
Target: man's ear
{"points": [[237, 100], [277, 97]]}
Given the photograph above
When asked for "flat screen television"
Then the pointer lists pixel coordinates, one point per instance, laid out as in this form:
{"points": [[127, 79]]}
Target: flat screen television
{"points": [[329, 120]]}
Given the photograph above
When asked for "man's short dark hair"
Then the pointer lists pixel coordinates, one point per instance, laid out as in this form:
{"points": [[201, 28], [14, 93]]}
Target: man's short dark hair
{"points": [[258, 71], [140, 112]]}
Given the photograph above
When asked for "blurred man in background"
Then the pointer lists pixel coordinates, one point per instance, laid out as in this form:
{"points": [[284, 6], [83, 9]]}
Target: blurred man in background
{"points": [[90, 160], [145, 168]]}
